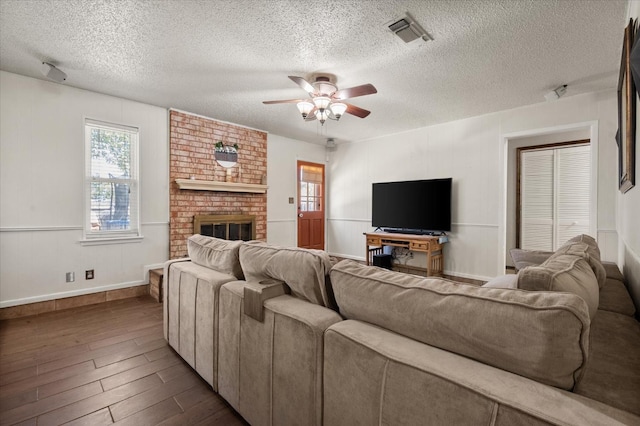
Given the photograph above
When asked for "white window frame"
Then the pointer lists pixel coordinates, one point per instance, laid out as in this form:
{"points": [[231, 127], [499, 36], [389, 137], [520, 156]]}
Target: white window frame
{"points": [[113, 236]]}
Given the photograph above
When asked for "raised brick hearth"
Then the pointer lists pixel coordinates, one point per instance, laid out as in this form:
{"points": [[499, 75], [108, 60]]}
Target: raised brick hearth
{"points": [[192, 140]]}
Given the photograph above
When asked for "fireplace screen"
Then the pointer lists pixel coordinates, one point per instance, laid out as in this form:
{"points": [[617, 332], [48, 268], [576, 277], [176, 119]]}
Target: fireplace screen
{"points": [[226, 227]]}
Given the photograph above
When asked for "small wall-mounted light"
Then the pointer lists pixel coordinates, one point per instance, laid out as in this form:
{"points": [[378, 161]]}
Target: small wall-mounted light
{"points": [[53, 73], [556, 93]]}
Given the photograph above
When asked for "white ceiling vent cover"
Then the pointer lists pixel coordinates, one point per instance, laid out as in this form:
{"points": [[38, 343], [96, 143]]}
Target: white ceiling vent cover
{"points": [[408, 29]]}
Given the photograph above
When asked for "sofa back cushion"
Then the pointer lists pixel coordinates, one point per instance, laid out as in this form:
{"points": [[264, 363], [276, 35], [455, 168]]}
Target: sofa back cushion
{"points": [[589, 251], [566, 273], [217, 254], [523, 258], [540, 335], [588, 240], [303, 270]]}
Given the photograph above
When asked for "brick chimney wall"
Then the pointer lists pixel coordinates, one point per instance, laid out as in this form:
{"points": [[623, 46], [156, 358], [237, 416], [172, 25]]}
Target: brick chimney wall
{"points": [[191, 153]]}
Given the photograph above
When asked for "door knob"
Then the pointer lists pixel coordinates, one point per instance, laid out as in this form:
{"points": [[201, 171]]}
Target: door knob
{"points": [[300, 215]]}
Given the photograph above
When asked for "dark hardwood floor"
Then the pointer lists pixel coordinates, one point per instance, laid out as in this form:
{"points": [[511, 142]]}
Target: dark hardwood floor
{"points": [[101, 364]]}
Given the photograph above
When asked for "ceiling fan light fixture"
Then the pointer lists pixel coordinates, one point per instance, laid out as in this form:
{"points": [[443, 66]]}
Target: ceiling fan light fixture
{"points": [[338, 108], [322, 115], [326, 101], [322, 102], [305, 107]]}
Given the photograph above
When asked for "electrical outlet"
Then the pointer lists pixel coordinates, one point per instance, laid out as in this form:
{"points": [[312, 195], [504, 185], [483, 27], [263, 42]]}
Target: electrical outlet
{"points": [[71, 277], [88, 274]]}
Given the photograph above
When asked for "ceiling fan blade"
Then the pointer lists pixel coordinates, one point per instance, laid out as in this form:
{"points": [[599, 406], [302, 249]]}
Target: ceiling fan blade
{"points": [[352, 92], [306, 86], [284, 101], [357, 111]]}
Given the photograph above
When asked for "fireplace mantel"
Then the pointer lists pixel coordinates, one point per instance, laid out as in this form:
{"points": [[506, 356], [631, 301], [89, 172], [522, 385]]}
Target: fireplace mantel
{"points": [[210, 185]]}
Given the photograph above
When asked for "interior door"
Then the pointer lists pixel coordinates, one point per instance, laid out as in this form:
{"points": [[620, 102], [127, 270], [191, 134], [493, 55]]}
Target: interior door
{"points": [[311, 201]]}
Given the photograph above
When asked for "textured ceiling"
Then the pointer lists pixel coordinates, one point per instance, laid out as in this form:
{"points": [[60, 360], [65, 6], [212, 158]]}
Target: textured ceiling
{"points": [[222, 58]]}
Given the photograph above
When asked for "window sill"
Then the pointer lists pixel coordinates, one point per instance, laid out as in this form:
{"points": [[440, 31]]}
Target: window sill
{"points": [[99, 241]]}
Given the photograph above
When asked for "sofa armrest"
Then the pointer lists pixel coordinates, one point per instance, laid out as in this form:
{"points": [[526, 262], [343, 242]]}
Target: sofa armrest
{"points": [[255, 294], [165, 280]]}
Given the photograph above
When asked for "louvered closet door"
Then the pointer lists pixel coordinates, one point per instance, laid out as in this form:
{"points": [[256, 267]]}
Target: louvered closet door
{"points": [[536, 192], [554, 196], [573, 192]]}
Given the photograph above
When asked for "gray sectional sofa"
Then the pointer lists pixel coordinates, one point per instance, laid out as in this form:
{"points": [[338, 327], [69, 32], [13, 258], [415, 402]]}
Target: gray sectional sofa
{"points": [[289, 337]]}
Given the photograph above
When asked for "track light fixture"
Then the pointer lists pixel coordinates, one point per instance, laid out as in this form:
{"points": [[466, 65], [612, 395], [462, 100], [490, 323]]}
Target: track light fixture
{"points": [[556, 93], [53, 73]]}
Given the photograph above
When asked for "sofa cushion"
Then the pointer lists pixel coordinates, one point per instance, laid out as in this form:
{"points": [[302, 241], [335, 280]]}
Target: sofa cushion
{"points": [[588, 240], [588, 253], [540, 335], [563, 273], [523, 258], [303, 270], [613, 373], [580, 245], [613, 271], [503, 281], [614, 297], [217, 254]]}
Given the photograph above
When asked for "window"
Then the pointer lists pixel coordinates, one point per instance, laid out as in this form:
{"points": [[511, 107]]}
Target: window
{"points": [[311, 188], [112, 208]]}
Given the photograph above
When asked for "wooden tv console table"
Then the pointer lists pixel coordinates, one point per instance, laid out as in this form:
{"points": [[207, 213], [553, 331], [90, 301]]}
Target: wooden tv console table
{"points": [[422, 243]]}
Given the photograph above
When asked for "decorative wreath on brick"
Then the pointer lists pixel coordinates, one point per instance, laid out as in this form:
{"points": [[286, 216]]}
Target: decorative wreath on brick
{"points": [[226, 155]]}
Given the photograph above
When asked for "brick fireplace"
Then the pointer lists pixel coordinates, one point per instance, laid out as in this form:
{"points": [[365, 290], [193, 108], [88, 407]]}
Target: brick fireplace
{"points": [[191, 156]]}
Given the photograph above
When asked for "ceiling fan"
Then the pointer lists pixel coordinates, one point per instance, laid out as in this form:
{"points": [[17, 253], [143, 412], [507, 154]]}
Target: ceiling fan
{"points": [[326, 99]]}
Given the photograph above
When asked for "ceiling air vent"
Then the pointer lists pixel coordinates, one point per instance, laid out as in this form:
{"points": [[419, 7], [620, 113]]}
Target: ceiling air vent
{"points": [[408, 29]]}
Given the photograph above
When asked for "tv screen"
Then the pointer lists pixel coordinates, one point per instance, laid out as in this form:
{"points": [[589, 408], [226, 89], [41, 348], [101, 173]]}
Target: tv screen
{"points": [[417, 205]]}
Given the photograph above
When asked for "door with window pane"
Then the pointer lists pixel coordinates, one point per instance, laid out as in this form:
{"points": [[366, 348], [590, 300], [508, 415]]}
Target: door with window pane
{"points": [[555, 195], [311, 200]]}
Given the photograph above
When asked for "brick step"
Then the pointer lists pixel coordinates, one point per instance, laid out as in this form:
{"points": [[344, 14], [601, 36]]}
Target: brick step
{"points": [[155, 284]]}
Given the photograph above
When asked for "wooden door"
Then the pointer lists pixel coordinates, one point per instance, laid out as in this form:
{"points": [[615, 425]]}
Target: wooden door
{"points": [[311, 201]]}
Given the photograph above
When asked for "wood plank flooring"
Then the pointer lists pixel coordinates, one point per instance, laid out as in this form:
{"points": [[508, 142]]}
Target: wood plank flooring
{"points": [[98, 365]]}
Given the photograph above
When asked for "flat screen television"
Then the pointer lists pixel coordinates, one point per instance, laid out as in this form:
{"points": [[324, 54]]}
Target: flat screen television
{"points": [[416, 206]]}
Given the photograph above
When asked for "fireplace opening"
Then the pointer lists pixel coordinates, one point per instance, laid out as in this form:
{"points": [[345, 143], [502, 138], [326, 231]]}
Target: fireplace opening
{"points": [[226, 227]]}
